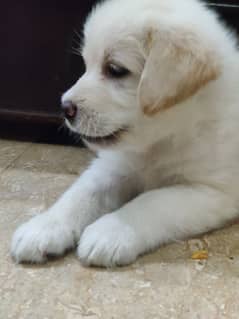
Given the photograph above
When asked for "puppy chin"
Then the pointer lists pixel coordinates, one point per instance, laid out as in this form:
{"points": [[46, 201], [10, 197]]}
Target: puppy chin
{"points": [[97, 142], [103, 143]]}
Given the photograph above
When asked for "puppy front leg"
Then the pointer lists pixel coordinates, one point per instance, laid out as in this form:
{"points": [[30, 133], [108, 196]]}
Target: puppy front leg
{"points": [[152, 219], [101, 189]]}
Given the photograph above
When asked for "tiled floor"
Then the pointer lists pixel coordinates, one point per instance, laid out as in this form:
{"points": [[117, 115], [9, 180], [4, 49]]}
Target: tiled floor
{"points": [[165, 285]]}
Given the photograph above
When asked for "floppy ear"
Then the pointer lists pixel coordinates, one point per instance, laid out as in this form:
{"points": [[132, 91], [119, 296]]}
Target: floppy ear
{"points": [[178, 64]]}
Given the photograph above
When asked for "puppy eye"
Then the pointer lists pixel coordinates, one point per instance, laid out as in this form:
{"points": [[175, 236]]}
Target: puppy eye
{"points": [[115, 71]]}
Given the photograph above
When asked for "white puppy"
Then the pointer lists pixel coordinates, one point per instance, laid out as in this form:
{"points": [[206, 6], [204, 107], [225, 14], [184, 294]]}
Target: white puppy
{"points": [[159, 102]]}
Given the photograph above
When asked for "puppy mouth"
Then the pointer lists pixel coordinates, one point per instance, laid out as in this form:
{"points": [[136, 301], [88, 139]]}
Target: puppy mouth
{"points": [[104, 139]]}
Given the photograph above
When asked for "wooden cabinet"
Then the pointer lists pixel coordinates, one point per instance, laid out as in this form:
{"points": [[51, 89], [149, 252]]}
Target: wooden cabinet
{"points": [[37, 64]]}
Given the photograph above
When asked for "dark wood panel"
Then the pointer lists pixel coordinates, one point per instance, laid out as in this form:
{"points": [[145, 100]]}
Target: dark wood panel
{"points": [[36, 63], [36, 52]]}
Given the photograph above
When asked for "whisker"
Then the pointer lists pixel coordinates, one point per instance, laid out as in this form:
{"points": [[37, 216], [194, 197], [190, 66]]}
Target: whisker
{"points": [[79, 34], [74, 51], [62, 127], [75, 41]]}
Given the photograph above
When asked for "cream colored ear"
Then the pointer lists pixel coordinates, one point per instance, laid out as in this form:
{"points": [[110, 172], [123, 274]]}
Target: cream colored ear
{"points": [[177, 65]]}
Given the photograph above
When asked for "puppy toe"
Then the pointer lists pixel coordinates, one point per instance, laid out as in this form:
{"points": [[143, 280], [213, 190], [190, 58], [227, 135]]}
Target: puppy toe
{"points": [[39, 238], [107, 243]]}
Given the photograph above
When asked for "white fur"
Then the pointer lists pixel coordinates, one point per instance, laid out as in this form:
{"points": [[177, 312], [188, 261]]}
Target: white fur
{"points": [[171, 175]]}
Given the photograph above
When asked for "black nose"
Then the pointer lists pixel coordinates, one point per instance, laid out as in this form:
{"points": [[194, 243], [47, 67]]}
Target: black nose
{"points": [[69, 109]]}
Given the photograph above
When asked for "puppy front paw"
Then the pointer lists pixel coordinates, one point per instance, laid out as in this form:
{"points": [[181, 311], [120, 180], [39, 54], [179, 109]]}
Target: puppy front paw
{"points": [[108, 242], [41, 237]]}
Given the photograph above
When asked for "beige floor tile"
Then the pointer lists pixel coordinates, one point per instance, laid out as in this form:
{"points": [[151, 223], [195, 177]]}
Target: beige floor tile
{"points": [[10, 151], [54, 159], [167, 284]]}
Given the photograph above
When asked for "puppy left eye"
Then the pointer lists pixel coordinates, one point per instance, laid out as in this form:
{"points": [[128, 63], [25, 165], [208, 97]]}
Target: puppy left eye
{"points": [[115, 71]]}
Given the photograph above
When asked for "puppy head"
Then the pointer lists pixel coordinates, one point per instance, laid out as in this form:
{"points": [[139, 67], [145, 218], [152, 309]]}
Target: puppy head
{"points": [[138, 65], [106, 95]]}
